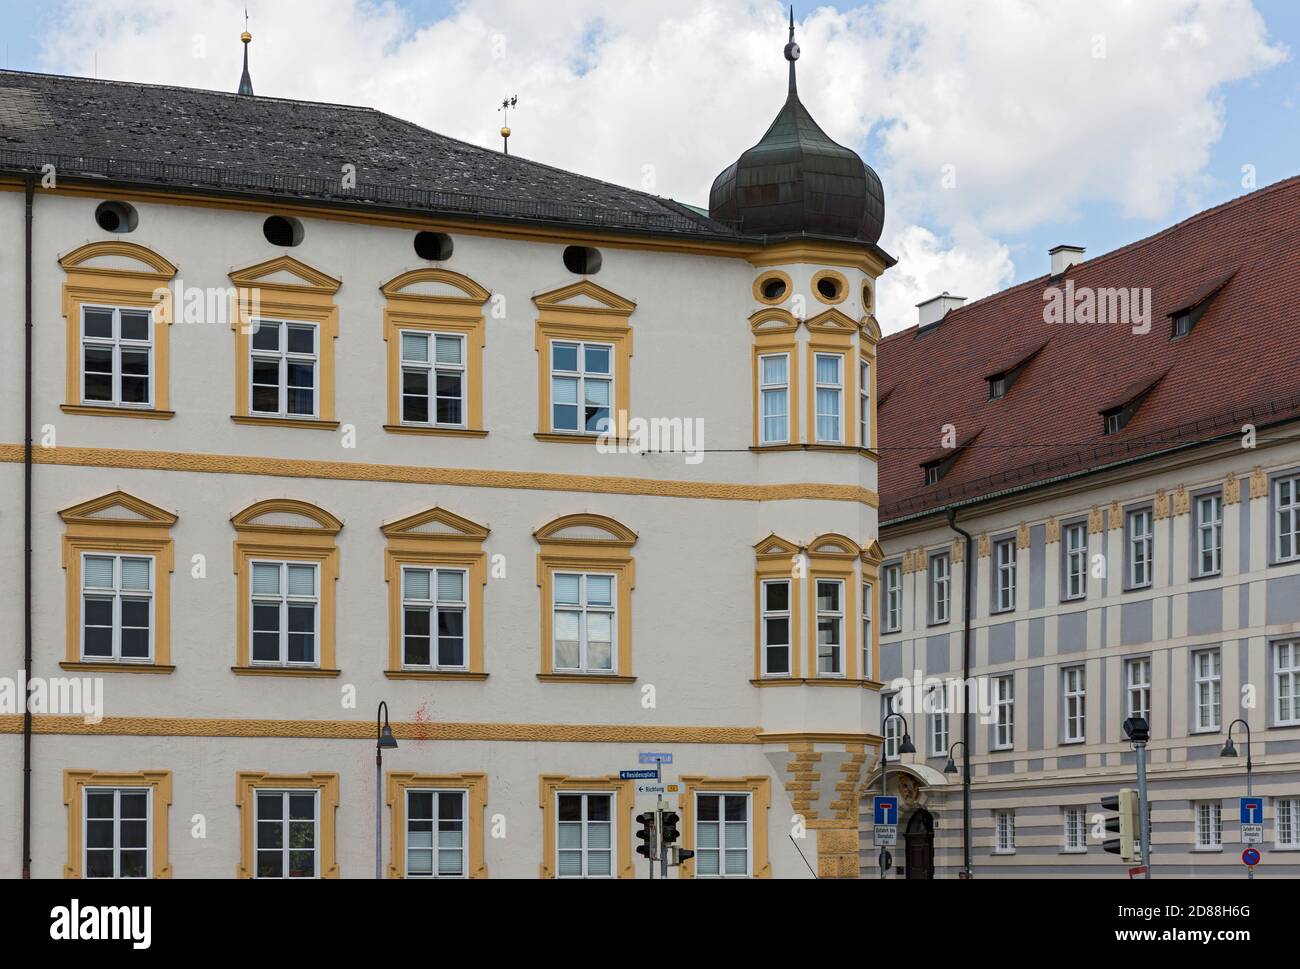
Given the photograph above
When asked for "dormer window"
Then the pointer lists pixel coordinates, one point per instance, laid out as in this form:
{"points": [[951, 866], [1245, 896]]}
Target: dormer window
{"points": [[1119, 410], [1182, 324], [933, 472], [1009, 368], [1185, 314], [1115, 420], [997, 387]]}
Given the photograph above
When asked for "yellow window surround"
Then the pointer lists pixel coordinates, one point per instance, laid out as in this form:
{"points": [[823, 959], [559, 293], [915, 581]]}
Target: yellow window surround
{"points": [[587, 543], [775, 331], [871, 557], [433, 300], [118, 274], [434, 538], [120, 524], [577, 312], [159, 783], [832, 332], [282, 529], [475, 786], [286, 290], [776, 558], [835, 557], [248, 783], [759, 790], [550, 785]]}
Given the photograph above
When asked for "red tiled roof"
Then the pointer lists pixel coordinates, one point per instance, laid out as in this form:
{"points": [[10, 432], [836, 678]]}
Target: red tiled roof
{"points": [[1241, 362]]}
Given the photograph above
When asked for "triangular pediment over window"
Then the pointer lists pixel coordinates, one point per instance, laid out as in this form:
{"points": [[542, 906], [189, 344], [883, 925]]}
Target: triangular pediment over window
{"points": [[776, 545], [585, 296], [285, 272], [118, 507], [437, 522]]}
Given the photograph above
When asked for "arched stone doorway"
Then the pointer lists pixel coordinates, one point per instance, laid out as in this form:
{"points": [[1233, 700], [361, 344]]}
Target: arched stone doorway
{"points": [[918, 851], [919, 788]]}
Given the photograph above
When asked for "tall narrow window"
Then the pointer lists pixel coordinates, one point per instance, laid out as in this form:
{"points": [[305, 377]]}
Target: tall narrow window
{"points": [[1286, 505], [866, 630], [287, 832], [1004, 702], [283, 369], [937, 702], [864, 404], [1209, 825], [776, 627], [433, 378], [893, 598], [1286, 822], [1286, 683], [582, 387], [774, 398], [830, 627], [116, 356], [1005, 563], [892, 730], [722, 836], [1209, 689], [1076, 561], [1076, 832], [434, 608], [117, 608], [1074, 694], [1004, 824], [584, 623], [1137, 679], [584, 835], [940, 586], [829, 397], [1209, 534], [1139, 548], [285, 599], [435, 834], [117, 832]]}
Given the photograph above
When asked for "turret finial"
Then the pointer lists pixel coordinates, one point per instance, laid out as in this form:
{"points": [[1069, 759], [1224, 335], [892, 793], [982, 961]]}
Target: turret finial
{"points": [[792, 50], [246, 81]]}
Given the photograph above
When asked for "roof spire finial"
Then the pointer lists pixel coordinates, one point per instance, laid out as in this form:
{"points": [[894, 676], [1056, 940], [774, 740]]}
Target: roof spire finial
{"points": [[246, 82], [506, 105], [792, 52]]}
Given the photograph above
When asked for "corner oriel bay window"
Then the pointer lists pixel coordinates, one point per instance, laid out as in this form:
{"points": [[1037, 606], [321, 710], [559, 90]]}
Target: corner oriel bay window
{"points": [[830, 628], [776, 377], [776, 627], [828, 398], [774, 398]]}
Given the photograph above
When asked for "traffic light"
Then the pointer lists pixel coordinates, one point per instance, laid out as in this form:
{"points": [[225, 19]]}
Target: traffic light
{"points": [[646, 849], [1125, 804], [677, 855], [670, 832]]}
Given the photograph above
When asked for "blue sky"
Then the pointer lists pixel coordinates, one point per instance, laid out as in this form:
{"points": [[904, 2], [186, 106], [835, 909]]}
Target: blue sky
{"points": [[911, 84]]}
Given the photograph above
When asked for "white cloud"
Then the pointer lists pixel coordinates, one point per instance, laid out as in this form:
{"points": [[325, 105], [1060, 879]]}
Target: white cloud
{"points": [[1010, 93]]}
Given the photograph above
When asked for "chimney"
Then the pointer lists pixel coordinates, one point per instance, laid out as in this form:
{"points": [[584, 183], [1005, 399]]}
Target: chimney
{"points": [[1063, 257], [933, 310]]}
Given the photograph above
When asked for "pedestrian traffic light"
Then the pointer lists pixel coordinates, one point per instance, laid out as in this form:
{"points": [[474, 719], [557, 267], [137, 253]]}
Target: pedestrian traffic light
{"points": [[1125, 824], [670, 832], [646, 849], [677, 855]]}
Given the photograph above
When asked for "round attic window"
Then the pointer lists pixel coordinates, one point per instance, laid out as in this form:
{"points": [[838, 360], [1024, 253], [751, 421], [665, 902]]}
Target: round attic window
{"points": [[582, 260], [282, 231], [434, 246], [772, 287], [830, 286], [116, 217]]}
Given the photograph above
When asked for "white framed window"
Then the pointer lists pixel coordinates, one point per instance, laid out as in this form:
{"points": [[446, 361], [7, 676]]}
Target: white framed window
{"points": [[830, 627], [1286, 518], [776, 627], [1004, 704], [435, 833], [582, 386], [1076, 561], [1005, 564], [937, 703], [288, 833], [864, 403], [1139, 548], [1286, 822], [433, 378], [117, 839], [1209, 534], [1209, 825], [828, 369], [723, 836], [435, 612], [1207, 667], [774, 398], [1137, 685], [1074, 695], [893, 576], [584, 622], [1286, 683], [117, 367], [285, 613], [866, 629], [284, 368], [117, 614], [1076, 829], [584, 842], [892, 730], [940, 587], [1004, 827]]}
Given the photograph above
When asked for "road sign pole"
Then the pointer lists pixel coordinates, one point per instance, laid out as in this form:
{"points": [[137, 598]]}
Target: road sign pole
{"points": [[1250, 792], [1144, 812], [659, 829]]}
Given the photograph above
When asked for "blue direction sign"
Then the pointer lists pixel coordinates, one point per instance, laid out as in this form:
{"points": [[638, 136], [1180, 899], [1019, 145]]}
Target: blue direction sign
{"points": [[653, 758], [885, 809], [1251, 857], [638, 775]]}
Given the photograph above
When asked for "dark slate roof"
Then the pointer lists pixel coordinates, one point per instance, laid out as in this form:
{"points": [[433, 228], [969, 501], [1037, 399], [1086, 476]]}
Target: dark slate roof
{"points": [[1240, 364], [182, 138]]}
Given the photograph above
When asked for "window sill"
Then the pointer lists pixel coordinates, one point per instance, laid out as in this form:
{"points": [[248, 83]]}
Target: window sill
{"points": [[94, 410], [434, 431], [309, 423], [1207, 851], [865, 452], [1203, 731], [88, 666], [575, 438], [584, 678], [1074, 851], [810, 681], [312, 671], [434, 675], [1002, 853]]}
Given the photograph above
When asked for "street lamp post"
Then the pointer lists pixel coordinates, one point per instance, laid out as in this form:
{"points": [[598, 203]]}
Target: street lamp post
{"points": [[951, 768], [384, 740], [1230, 750], [905, 746]]}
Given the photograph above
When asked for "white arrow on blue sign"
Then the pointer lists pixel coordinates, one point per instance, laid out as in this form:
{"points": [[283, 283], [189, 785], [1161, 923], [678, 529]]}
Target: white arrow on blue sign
{"points": [[638, 775]]}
